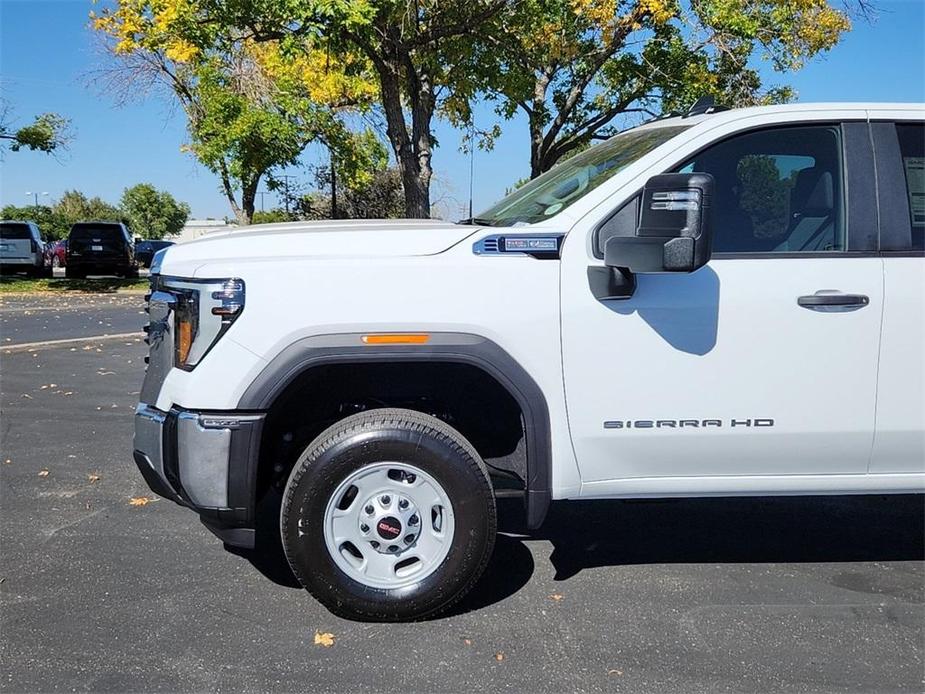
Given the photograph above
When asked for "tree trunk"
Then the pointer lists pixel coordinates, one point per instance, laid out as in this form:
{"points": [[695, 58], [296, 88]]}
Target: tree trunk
{"points": [[536, 121], [240, 213], [413, 166], [248, 199]]}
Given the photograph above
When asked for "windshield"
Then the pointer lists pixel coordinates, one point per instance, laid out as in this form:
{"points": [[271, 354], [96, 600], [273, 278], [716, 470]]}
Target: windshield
{"points": [[15, 231], [84, 232], [575, 177]]}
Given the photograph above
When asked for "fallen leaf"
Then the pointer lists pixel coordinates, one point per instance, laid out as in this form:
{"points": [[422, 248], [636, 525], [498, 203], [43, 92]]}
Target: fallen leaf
{"points": [[615, 672], [499, 656], [26, 395], [468, 642], [324, 638], [140, 501], [93, 477], [7, 461], [43, 473], [556, 596], [88, 505]]}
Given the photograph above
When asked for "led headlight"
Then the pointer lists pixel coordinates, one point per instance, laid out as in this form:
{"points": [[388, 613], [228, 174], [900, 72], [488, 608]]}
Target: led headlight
{"points": [[203, 311]]}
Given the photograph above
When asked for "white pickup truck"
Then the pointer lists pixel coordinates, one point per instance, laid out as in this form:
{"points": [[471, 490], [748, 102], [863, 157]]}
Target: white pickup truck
{"points": [[721, 303]]}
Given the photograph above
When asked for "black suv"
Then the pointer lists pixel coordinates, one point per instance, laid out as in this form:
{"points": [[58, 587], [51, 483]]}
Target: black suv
{"points": [[100, 248]]}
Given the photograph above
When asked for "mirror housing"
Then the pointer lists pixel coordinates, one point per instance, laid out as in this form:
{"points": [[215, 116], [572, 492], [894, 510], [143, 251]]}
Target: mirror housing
{"points": [[674, 232]]}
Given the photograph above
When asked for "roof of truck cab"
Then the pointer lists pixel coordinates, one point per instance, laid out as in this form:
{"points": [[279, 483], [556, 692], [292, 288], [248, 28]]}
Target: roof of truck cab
{"points": [[727, 114]]}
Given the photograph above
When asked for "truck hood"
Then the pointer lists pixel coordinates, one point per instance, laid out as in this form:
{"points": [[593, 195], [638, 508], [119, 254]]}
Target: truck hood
{"points": [[326, 239]]}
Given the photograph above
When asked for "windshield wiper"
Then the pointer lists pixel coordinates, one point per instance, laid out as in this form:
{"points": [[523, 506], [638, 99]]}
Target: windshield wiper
{"points": [[477, 221]]}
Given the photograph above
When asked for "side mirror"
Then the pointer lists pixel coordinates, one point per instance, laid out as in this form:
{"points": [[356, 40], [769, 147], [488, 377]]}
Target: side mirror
{"points": [[674, 232]]}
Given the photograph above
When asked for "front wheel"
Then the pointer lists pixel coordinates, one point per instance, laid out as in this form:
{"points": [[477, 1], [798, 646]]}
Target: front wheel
{"points": [[388, 515]]}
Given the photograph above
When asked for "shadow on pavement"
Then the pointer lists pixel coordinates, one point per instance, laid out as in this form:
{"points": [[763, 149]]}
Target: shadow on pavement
{"points": [[735, 530], [589, 534]]}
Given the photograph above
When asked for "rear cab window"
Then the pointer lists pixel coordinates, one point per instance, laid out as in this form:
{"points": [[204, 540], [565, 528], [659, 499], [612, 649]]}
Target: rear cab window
{"points": [[15, 231], [912, 150]]}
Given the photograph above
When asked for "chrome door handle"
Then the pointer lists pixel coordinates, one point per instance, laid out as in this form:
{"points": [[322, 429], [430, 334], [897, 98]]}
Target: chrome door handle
{"points": [[828, 300]]}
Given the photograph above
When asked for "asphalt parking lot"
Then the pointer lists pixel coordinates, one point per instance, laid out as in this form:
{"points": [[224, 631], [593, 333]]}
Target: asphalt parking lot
{"points": [[101, 593]]}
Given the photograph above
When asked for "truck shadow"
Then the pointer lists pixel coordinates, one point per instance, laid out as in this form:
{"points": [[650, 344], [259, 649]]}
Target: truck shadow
{"points": [[591, 534], [735, 530]]}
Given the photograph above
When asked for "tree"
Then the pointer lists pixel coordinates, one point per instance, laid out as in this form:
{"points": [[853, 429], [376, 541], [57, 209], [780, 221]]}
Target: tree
{"points": [[55, 221], [50, 221], [46, 133], [379, 197], [153, 214], [74, 206], [414, 48], [575, 66], [251, 108]]}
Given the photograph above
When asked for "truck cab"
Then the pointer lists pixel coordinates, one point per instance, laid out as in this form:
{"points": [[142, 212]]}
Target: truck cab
{"points": [[728, 302]]}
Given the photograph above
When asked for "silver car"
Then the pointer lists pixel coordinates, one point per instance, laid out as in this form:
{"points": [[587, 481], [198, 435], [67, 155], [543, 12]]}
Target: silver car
{"points": [[22, 249]]}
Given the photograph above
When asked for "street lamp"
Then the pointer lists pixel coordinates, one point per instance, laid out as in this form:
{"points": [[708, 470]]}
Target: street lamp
{"points": [[35, 196]]}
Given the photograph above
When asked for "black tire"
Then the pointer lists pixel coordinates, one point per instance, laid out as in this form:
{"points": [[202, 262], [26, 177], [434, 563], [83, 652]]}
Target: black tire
{"points": [[400, 436]]}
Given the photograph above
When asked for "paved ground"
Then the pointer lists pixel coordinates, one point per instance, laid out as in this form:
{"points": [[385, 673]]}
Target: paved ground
{"points": [[786, 595], [54, 316]]}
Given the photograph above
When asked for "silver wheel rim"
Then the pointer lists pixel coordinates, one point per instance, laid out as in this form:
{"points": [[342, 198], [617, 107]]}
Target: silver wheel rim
{"points": [[389, 525]]}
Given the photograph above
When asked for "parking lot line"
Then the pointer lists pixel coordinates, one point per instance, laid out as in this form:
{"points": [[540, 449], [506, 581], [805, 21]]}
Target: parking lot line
{"points": [[50, 344]]}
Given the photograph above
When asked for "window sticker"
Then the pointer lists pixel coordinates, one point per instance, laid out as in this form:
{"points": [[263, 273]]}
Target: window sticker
{"points": [[915, 179]]}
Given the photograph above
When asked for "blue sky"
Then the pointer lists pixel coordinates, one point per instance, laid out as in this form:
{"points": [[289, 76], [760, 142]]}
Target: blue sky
{"points": [[47, 59]]}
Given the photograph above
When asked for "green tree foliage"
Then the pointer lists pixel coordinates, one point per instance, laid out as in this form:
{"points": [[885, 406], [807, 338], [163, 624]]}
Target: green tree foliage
{"points": [[46, 133], [74, 206], [413, 49], [380, 196], [51, 222], [272, 216], [153, 214], [575, 67], [252, 107], [54, 221]]}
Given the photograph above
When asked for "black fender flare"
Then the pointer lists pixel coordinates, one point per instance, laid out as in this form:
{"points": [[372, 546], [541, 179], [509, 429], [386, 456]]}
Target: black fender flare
{"points": [[462, 348]]}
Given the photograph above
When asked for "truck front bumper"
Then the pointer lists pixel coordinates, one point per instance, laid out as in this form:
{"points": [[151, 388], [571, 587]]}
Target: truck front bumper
{"points": [[206, 461]]}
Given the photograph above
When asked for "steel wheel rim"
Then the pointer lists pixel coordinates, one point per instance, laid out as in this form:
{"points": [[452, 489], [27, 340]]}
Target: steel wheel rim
{"points": [[408, 520]]}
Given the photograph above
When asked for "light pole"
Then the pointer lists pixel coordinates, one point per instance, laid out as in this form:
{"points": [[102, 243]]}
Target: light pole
{"points": [[35, 197]]}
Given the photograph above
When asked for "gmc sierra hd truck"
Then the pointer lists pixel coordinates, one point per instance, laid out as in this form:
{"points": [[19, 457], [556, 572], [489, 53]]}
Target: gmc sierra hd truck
{"points": [[721, 303]]}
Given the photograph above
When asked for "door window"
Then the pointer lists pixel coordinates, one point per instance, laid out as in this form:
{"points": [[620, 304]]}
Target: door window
{"points": [[912, 149], [776, 191]]}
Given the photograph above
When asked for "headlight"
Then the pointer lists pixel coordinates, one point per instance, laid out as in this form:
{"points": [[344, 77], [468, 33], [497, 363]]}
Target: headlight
{"points": [[203, 311]]}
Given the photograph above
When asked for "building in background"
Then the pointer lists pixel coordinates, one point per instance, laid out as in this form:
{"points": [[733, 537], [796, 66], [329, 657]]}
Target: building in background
{"points": [[195, 228]]}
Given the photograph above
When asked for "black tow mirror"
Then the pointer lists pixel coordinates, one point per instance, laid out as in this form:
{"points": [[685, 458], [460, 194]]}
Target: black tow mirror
{"points": [[674, 232]]}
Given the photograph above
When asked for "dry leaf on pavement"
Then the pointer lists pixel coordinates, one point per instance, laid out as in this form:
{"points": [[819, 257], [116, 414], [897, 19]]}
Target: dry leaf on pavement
{"points": [[556, 596], [499, 656], [324, 638], [43, 473], [93, 477], [140, 501]]}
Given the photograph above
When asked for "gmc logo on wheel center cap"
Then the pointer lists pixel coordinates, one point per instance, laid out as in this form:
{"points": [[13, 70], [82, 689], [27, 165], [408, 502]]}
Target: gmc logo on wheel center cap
{"points": [[389, 528]]}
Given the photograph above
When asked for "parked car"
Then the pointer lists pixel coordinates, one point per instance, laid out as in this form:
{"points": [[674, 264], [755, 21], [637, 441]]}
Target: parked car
{"points": [[145, 250], [722, 303], [22, 249], [56, 253], [100, 248]]}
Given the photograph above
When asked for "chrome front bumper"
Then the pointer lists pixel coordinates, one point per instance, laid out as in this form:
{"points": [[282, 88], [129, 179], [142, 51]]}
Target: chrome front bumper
{"points": [[205, 461]]}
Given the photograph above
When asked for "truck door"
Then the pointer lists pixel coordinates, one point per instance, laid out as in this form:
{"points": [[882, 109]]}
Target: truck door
{"points": [[759, 370], [899, 445]]}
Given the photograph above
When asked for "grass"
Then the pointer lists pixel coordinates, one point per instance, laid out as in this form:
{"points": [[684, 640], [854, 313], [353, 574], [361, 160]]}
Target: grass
{"points": [[104, 285]]}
